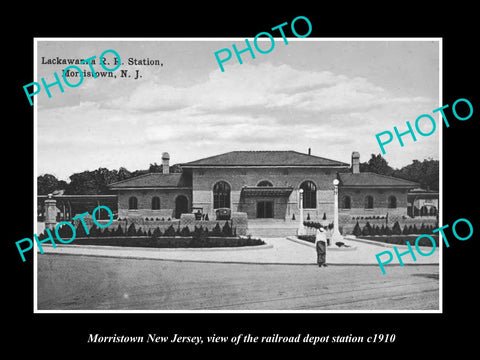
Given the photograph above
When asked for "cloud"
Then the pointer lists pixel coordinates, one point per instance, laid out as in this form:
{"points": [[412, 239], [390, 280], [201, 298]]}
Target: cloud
{"points": [[260, 106]]}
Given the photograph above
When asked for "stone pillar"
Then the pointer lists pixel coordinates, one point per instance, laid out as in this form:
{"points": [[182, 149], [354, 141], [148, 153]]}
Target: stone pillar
{"points": [[336, 236], [50, 212], [301, 227]]}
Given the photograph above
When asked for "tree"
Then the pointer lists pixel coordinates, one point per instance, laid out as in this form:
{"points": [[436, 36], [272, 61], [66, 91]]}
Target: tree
{"points": [[155, 168], [426, 173], [47, 184], [378, 165]]}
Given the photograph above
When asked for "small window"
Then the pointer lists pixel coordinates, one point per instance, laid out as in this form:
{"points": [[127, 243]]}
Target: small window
{"points": [[155, 203], [346, 202], [368, 202], [132, 203], [392, 202]]}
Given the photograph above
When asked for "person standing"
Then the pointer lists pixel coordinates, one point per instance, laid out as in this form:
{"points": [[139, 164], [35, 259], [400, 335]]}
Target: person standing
{"points": [[320, 246]]}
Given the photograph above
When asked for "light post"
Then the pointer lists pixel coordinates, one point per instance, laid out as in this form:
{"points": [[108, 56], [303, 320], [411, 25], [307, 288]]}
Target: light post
{"points": [[336, 236], [301, 227]]}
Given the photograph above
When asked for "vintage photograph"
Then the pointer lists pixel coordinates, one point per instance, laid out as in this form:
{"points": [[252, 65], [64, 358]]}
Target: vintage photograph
{"points": [[259, 188]]}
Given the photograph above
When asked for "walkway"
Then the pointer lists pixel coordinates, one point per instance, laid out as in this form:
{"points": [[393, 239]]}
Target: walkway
{"points": [[277, 251]]}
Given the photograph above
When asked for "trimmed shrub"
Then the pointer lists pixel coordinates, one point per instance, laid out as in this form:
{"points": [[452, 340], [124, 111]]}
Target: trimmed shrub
{"points": [[367, 229], [356, 230], [414, 229], [405, 230], [308, 216], [119, 231], [170, 231], [382, 230], [396, 230], [227, 229], [216, 231], [423, 229], [388, 231], [324, 216], [149, 233], [293, 216], [206, 217], [140, 232], [131, 231], [95, 231], [185, 231], [105, 233], [156, 233]]}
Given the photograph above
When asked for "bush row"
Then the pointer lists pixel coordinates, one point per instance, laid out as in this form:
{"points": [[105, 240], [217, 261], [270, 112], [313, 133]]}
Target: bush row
{"points": [[65, 232], [317, 225], [369, 230], [172, 242], [149, 219]]}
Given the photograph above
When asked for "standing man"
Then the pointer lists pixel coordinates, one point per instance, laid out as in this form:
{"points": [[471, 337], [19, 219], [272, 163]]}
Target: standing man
{"points": [[320, 245]]}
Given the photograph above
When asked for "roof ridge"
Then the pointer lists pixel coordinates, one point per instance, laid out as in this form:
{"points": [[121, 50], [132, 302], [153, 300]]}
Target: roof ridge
{"points": [[389, 176], [141, 176]]}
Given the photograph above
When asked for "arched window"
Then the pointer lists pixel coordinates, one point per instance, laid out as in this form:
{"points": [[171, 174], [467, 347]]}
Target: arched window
{"points": [[346, 202], [132, 203], [264, 183], [368, 202], [309, 195], [155, 203], [221, 195], [392, 202]]}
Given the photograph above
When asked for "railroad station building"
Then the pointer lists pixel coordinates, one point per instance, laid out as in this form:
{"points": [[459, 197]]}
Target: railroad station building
{"points": [[262, 184]]}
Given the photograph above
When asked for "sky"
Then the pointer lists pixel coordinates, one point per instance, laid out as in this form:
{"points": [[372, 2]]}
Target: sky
{"points": [[330, 96]]}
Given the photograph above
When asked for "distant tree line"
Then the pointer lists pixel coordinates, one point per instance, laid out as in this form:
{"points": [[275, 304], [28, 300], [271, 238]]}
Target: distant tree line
{"points": [[96, 182], [425, 172], [93, 182]]}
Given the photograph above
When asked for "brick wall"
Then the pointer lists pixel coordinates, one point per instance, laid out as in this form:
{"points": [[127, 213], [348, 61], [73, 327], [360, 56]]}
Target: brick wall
{"points": [[284, 207], [144, 198]]}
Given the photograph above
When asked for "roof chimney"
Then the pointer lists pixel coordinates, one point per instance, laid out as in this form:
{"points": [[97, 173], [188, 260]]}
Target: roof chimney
{"points": [[355, 162], [166, 163], [309, 151]]}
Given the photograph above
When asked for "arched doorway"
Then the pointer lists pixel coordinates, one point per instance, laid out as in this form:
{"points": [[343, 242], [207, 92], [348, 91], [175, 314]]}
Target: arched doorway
{"points": [[181, 206]]}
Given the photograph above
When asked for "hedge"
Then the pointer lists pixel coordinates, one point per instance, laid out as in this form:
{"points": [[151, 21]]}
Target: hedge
{"points": [[368, 230], [171, 242]]}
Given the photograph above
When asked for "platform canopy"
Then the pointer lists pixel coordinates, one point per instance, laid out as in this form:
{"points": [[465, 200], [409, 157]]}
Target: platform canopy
{"points": [[271, 191]]}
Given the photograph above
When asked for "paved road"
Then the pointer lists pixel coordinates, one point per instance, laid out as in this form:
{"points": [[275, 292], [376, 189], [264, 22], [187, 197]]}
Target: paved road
{"points": [[94, 283]]}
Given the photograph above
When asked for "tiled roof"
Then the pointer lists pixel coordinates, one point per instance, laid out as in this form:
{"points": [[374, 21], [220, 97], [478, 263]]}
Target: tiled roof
{"points": [[371, 179], [153, 180], [264, 158]]}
